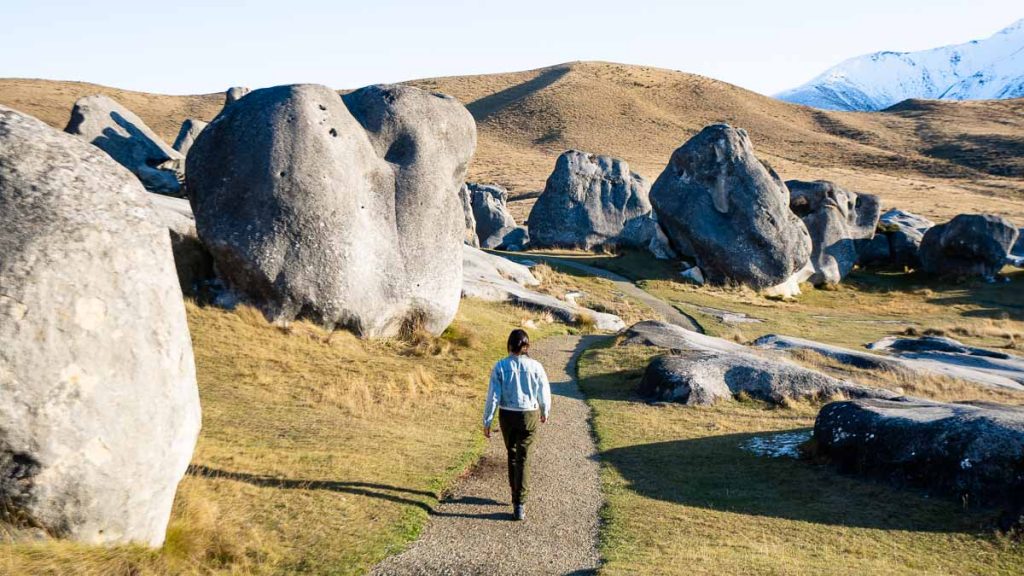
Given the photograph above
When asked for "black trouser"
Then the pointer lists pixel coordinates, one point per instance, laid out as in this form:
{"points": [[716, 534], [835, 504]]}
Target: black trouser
{"points": [[517, 429]]}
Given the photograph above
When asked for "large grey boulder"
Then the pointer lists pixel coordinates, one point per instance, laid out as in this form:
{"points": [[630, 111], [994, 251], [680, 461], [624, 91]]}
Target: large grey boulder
{"points": [[496, 279], [701, 377], [343, 210], [126, 138], [192, 260], [591, 201], [835, 218], [469, 234], [187, 135], [973, 452], [490, 211], [99, 410], [968, 245], [716, 200], [513, 239]]}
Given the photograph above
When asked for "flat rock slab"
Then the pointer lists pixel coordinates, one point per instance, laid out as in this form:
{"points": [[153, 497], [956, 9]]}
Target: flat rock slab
{"points": [[672, 337], [472, 531], [982, 370]]}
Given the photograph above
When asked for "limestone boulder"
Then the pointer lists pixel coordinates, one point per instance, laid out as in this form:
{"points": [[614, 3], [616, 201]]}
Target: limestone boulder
{"points": [[342, 210], [836, 219], [968, 245], [972, 452], [703, 377], [234, 94], [469, 235], [490, 211], [718, 201], [187, 135], [99, 409], [589, 201], [896, 242], [117, 131]]}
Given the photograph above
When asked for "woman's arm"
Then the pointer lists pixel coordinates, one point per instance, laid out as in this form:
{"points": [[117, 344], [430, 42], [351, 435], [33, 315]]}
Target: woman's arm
{"points": [[545, 395], [491, 403]]}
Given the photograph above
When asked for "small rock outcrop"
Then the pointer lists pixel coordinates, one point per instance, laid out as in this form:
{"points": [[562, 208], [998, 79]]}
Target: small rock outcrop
{"points": [[699, 377], [497, 279], [591, 201], [969, 245], [896, 242], [187, 135], [469, 235], [672, 337], [125, 137], [98, 399], [513, 239], [381, 258], [718, 202], [490, 210], [835, 218], [234, 94], [971, 451]]}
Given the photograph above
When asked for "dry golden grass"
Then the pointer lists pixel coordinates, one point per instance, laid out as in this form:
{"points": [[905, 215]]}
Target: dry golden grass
{"points": [[935, 158], [598, 294], [320, 452], [684, 498]]}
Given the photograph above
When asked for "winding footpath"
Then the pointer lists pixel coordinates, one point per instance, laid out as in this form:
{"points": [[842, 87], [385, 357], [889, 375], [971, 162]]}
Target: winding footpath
{"points": [[472, 531], [667, 311]]}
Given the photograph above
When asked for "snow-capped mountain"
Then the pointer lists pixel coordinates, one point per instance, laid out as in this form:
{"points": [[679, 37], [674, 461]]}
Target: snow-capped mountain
{"points": [[979, 69]]}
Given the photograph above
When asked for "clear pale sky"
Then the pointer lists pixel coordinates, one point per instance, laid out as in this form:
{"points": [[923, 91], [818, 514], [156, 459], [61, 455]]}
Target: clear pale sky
{"points": [[186, 46]]}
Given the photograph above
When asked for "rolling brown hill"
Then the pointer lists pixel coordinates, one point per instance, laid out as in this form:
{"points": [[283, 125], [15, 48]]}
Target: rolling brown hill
{"points": [[937, 158]]}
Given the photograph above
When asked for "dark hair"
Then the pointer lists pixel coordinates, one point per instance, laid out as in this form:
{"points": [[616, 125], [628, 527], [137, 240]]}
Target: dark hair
{"points": [[518, 340]]}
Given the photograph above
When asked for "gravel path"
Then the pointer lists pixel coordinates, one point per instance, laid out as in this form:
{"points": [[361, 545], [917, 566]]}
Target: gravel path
{"points": [[667, 311], [472, 531]]}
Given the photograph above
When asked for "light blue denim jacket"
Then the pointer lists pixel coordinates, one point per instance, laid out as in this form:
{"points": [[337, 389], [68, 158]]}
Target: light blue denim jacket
{"points": [[517, 383]]}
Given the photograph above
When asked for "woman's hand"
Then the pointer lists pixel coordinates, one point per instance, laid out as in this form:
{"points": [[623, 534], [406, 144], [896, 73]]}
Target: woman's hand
{"points": [[487, 431], [543, 419]]}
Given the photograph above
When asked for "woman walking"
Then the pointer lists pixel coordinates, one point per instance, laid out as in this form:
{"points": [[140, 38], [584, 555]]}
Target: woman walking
{"points": [[519, 391]]}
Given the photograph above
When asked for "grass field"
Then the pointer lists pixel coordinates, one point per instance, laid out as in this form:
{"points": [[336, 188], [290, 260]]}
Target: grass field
{"points": [[684, 498], [320, 453]]}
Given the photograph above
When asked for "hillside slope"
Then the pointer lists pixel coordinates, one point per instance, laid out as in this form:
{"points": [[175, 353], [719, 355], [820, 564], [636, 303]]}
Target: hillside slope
{"points": [[939, 158]]}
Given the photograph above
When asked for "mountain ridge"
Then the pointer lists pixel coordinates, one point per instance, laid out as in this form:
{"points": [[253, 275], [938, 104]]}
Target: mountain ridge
{"points": [[992, 68]]}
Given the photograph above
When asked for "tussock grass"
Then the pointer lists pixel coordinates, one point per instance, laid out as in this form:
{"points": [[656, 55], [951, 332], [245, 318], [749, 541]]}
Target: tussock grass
{"points": [[684, 498], [599, 294], [320, 452]]}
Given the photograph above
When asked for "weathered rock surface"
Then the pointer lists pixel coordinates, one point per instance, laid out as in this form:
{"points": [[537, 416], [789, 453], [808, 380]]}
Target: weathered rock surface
{"points": [[699, 377], [835, 218], [344, 211], [496, 279], [513, 239], [591, 201], [187, 135], [99, 410], [902, 233], [965, 450], [234, 94], [126, 138], [672, 337], [968, 245], [981, 370], [718, 201], [192, 260], [956, 356], [469, 235], [490, 210]]}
